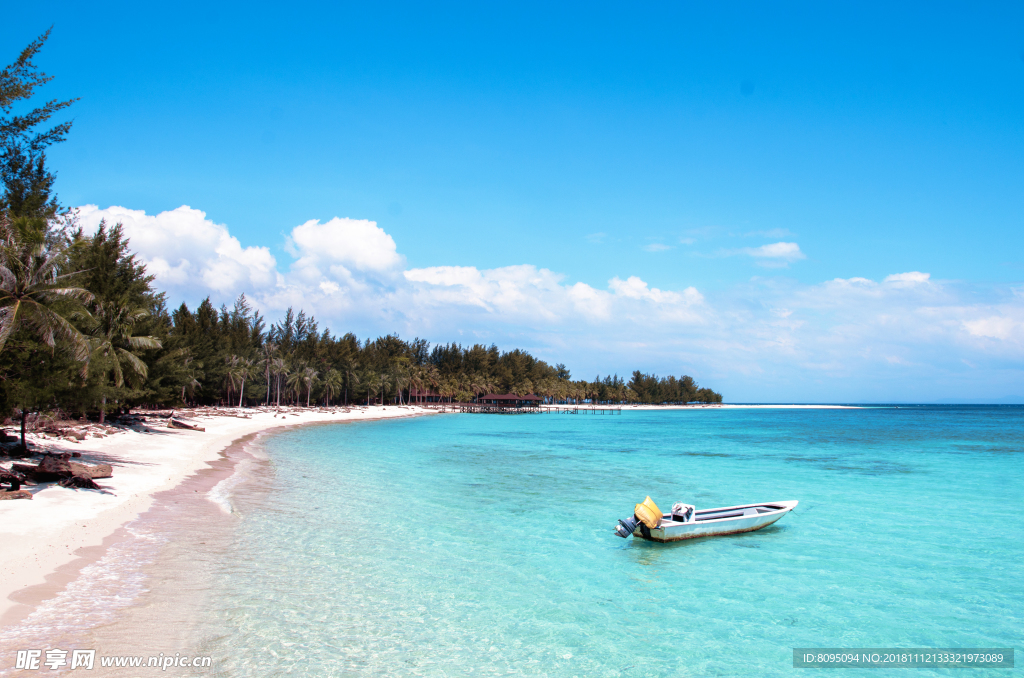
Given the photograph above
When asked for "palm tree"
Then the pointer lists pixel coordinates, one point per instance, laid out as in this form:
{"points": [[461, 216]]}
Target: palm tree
{"points": [[229, 376], [31, 289], [191, 381], [111, 343], [400, 377], [383, 381], [280, 369], [241, 370], [525, 388], [432, 377], [294, 382], [269, 352], [488, 386], [417, 377], [462, 384], [348, 367], [477, 384], [352, 378], [448, 388], [373, 384], [309, 376], [332, 384]]}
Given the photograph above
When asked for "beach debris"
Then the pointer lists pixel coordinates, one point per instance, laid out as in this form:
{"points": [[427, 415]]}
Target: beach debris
{"points": [[12, 478], [14, 450], [187, 425], [52, 467], [59, 468], [15, 494], [84, 482], [92, 470]]}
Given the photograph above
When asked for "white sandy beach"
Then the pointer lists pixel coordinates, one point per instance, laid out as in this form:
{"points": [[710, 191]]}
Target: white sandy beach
{"points": [[58, 526]]}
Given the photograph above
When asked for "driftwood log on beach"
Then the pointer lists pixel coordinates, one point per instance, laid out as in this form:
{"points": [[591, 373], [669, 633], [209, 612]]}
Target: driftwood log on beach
{"points": [[15, 494], [83, 482], [59, 468], [92, 470], [187, 425]]}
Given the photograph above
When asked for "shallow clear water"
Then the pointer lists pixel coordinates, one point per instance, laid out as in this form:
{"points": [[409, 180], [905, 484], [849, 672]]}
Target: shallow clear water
{"points": [[483, 545]]}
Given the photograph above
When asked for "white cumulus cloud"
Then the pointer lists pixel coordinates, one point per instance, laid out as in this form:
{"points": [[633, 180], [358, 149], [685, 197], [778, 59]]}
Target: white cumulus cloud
{"points": [[356, 244], [909, 278], [821, 341], [188, 252], [995, 327], [776, 254]]}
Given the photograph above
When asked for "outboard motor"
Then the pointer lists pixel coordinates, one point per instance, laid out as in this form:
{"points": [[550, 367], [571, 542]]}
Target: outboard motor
{"points": [[645, 516], [626, 527]]}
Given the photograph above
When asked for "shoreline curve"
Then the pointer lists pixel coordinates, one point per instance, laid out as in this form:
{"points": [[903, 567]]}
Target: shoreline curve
{"points": [[52, 537]]}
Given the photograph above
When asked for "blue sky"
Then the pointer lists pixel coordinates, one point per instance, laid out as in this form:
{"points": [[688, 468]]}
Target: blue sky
{"points": [[768, 170]]}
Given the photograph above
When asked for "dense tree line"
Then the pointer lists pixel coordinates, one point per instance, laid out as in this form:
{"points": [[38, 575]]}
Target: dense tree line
{"points": [[648, 388], [84, 332]]}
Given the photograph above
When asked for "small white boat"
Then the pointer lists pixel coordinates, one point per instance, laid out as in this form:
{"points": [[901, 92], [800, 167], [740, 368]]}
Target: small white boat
{"points": [[685, 522]]}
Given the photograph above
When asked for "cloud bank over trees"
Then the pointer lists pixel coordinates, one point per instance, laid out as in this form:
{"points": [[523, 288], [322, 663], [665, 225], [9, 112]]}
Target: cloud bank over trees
{"points": [[906, 337]]}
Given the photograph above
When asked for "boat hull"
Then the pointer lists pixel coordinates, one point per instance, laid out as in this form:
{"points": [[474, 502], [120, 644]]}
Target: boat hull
{"points": [[751, 517]]}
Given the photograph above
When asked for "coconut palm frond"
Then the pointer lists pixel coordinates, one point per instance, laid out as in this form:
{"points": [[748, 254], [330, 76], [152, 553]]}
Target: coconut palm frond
{"points": [[8, 316], [140, 343], [117, 371], [7, 278], [54, 330], [76, 293], [138, 368]]}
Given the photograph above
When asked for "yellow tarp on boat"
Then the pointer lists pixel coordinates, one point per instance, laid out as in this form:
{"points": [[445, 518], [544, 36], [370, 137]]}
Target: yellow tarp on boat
{"points": [[648, 513]]}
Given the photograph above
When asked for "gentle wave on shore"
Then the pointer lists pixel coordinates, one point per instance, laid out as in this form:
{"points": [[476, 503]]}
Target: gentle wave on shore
{"points": [[95, 597]]}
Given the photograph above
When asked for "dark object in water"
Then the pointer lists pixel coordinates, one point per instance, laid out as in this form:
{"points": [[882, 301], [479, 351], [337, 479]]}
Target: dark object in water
{"points": [[685, 523], [626, 527]]}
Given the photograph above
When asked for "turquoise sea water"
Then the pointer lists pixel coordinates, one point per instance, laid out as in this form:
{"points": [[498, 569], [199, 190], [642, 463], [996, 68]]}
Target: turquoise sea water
{"points": [[483, 545]]}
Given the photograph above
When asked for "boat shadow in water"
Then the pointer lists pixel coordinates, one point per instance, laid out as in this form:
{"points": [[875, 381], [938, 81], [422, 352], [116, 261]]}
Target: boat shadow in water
{"points": [[650, 553], [738, 537]]}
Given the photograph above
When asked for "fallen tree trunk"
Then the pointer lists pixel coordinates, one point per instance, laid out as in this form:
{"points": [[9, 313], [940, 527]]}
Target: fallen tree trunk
{"points": [[83, 482], [58, 468], [92, 470], [187, 425]]}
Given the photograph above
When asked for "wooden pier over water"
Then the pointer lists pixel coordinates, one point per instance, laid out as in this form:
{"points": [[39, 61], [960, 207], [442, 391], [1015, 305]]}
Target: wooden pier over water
{"points": [[491, 408]]}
